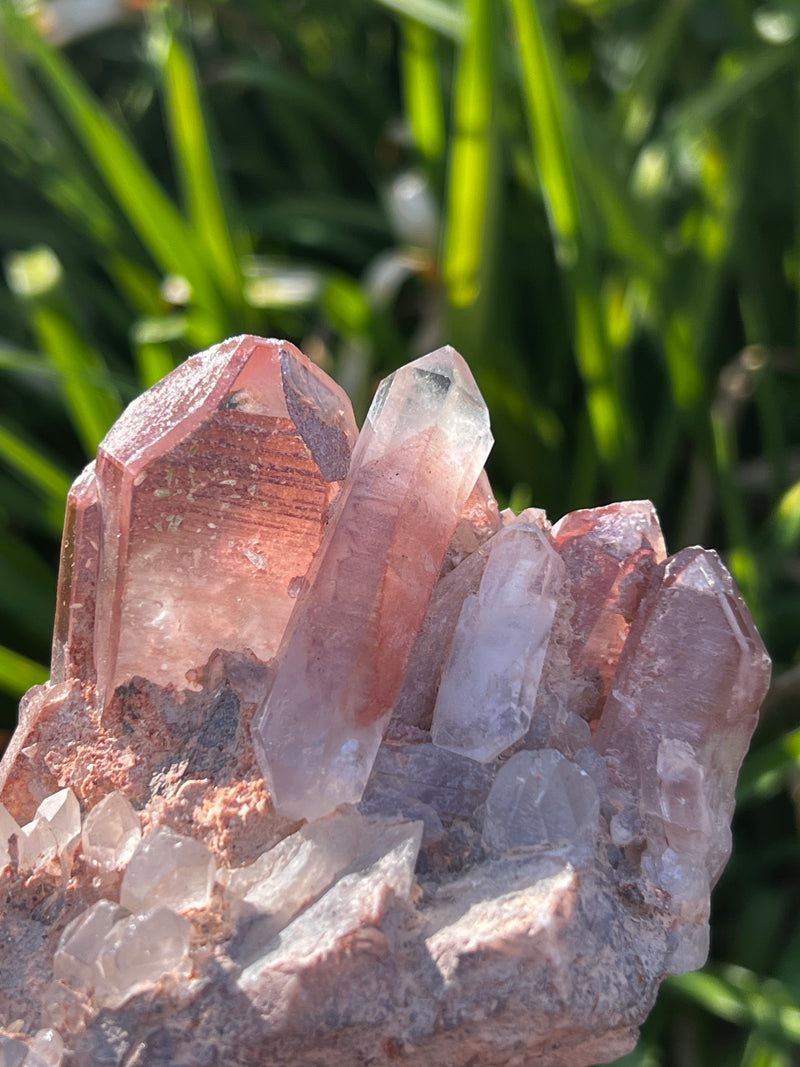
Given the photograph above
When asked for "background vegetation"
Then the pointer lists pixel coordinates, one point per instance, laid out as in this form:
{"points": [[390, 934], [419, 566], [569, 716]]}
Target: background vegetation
{"points": [[596, 201]]}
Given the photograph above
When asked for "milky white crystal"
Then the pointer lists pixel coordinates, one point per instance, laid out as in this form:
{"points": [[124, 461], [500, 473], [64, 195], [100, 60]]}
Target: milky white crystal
{"points": [[75, 961], [141, 949], [353, 904], [297, 870], [168, 869], [46, 1050], [111, 832], [37, 843], [419, 455], [543, 799], [62, 813], [490, 680]]}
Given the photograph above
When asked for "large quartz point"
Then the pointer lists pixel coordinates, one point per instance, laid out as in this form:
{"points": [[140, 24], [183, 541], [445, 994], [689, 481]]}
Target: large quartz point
{"points": [[209, 499], [418, 458], [490, 680], [681, 712]]}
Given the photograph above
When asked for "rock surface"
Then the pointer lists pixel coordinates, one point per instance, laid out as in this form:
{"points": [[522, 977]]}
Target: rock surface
{"points": [[514, 902]]}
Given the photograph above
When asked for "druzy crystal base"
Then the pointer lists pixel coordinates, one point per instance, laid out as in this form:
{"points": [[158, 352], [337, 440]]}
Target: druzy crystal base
{"points": [[338, 764]]}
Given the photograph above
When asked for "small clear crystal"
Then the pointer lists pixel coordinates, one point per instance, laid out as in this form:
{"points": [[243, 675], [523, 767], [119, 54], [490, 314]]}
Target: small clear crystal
{"points": [[141, 949], [76, 959], [543, 799], [111, 832], [491, 678], [168, 869]]}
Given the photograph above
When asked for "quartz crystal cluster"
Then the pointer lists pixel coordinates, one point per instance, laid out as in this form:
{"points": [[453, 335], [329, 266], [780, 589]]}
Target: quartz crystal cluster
{"points": [[340, 764]]}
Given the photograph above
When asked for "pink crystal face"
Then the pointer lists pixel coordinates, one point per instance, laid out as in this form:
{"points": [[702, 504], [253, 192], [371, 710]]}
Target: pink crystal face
{"points": [[479, 520], [214, 488], [350, 639], [73, 632], [611, 554], [682, 709]]}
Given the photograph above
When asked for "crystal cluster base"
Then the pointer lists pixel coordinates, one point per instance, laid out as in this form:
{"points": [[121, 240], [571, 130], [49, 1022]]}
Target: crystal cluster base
{"points": [[339, 764]]}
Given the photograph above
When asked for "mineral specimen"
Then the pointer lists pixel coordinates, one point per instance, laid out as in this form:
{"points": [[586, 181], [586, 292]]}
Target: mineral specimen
{"points": [[417, 460], [496, 762]]}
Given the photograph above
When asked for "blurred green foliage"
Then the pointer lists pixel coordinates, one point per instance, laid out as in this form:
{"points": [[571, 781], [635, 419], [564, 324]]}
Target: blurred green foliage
{"points": [[596, 201]]}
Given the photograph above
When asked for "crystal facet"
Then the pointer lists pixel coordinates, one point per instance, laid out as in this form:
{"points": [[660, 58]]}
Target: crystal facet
{"points": [[74, 628], [168, 869], [140, 949], [213, 488], [111, 832], [416, 462], [674, 739], [76, 960], [542, 799], [490, 681], [8, 828], [610, 554]]}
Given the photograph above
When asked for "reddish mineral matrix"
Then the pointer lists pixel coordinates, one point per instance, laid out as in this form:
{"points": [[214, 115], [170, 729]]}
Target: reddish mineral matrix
{"points": [[515, 901]]}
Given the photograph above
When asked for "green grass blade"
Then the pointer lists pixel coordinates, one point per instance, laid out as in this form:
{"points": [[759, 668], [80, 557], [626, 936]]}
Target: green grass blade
{"points": [[91, 400], [640, 99], [421, 89], [153, 216], [550, 124], [549, 120], [27, 364], [18, 673], [469, 166], [740, 996], [445, 19], [194, 160], [30, 464], [734, 82], [767, 771]]}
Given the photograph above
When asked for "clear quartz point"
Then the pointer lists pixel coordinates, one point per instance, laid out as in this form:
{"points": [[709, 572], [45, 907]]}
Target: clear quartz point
{"points": [[168, 869], [542, 799], [419, 455], [62, 812], [683, 706], [46, 1050], [75, 962], [111, 832], [489, 683], [141, 949]]}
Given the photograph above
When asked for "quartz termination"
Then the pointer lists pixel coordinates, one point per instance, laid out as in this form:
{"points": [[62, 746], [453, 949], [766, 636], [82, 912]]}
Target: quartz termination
{"points": [[419, 455], [490, 680], [530, 737], [200, 516]]}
